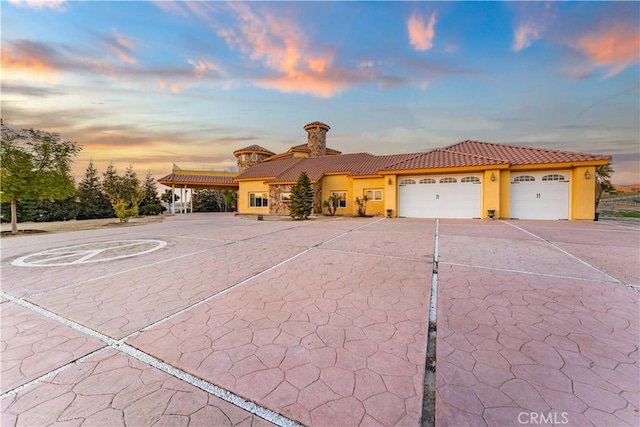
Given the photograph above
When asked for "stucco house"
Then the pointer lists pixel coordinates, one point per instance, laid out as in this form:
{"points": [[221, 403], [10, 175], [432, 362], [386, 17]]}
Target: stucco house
{"points": [[470, 179]]}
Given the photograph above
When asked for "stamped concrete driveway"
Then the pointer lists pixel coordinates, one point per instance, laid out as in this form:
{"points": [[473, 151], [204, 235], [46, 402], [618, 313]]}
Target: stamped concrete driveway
{"points": [[210, 319]]}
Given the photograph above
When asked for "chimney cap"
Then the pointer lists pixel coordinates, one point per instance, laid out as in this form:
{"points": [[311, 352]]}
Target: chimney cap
{"points": [[253, 149], [316, 125]]}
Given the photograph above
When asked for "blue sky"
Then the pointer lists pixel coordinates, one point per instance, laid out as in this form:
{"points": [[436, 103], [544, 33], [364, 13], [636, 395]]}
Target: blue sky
{"points": [[156, 83]]}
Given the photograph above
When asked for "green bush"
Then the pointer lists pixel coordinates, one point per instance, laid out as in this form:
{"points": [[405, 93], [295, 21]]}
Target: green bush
{"points": [[151, 209]]}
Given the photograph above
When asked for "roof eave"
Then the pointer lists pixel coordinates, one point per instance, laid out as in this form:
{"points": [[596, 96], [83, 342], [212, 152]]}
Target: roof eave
{"points": [[560, 165], [367, 176], [446, 169]]}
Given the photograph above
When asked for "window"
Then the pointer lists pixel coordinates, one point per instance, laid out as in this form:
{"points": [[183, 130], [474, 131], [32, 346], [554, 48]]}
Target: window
{"points": [[375, 195], [524, 178], [342, 202], [258, 200], [427, 181], [471, 179], [448, 180], [254, 157], [553, 177], [286, 196], [407, 181]]}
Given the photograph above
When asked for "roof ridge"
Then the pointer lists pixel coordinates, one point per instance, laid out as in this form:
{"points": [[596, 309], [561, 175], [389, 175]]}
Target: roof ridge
{"points": [[471, 154], [405, 160], [512, 145], [291, 166]]}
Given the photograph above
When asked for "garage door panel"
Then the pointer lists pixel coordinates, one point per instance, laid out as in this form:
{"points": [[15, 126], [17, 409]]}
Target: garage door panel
{"points": [[540, 195], [444, 196]]}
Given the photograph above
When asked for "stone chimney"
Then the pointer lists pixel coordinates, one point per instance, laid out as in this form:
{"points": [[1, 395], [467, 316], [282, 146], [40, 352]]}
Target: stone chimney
{"points": [[317, 139]]}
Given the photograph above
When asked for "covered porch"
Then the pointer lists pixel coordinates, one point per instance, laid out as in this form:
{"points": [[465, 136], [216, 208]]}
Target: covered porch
{"points": [[184, 180]]}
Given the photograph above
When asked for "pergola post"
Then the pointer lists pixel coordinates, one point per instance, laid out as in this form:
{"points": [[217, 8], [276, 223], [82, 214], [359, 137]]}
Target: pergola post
{"points": [[173, 198]]}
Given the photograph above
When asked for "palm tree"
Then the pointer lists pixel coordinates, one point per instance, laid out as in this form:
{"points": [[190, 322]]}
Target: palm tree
{"points": [[603, 181]]}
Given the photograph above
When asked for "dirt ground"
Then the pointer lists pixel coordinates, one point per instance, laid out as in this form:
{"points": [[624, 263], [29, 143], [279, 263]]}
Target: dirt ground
{"points": [[75, 225]]}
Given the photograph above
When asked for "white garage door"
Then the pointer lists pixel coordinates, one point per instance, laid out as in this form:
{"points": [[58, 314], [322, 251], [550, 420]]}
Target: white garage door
{"points": [[444, 196], [540, 195]]}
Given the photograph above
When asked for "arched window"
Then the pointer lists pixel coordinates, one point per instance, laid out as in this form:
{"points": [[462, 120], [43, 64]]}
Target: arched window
{"points": [[407, 181], [524, 178], [427, 181], [553, 177], [471, 179], [448, 180], [254, 157]]}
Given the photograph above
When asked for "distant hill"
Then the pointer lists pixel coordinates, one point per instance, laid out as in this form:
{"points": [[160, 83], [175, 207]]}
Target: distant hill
{"points": [[632, 188]]}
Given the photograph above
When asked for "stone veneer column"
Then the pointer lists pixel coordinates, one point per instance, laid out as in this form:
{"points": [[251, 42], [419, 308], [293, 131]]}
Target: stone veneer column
{"points": [[317, 138]]}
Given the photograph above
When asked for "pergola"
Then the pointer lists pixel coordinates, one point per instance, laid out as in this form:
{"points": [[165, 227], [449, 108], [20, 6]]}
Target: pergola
{"points": [[186, 180]]}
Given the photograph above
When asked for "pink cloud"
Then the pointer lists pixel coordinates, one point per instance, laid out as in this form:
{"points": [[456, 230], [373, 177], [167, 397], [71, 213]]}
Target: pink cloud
{"points": [[28, 61], [201, 66], [280, 44], [615, 47], [421, 35], [534, 19], [524, 36], [122, 46]]}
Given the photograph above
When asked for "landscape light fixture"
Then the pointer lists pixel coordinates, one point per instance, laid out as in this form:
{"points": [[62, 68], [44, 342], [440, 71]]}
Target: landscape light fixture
{"points": [[587, 175]]}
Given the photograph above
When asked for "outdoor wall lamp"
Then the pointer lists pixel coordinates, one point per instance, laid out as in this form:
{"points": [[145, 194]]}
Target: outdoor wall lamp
{"points": [[587, 175], [493, 176], [389, 181]]}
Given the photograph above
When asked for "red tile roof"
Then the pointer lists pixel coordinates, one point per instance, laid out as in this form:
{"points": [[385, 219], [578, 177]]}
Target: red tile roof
{"points": [[316, 167], [305, 148], [377, 163], [466, 153], [179, 179], [442, 159], [254, 148], [520, 155], [270, 169]]}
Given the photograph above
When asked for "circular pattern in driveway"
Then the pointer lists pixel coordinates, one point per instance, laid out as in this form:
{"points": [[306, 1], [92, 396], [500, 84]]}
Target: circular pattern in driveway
{"points": [[89, 253]]}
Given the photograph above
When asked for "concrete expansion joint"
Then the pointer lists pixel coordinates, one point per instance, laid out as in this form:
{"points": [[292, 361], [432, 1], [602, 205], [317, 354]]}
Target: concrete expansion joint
{"points": [[57, 318], [374, 255], [52, 373], [121, 346], [531, 273], [429, 390], [569, 254], [635, 288], [208, 387]]}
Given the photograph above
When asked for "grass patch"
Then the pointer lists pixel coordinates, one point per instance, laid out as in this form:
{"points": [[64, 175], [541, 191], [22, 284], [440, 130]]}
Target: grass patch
{"points": [[627, 214]]}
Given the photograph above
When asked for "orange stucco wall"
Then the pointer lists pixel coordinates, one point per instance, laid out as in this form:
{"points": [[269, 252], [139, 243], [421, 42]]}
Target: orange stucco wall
{"points": [[495, 193], [583, 193]]}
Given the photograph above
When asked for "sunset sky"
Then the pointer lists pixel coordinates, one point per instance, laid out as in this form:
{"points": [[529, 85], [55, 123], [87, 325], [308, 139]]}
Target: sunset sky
{"points": [[156, 83]]}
